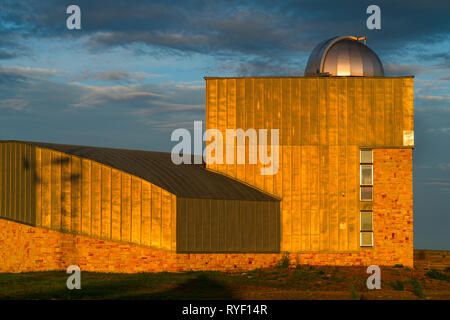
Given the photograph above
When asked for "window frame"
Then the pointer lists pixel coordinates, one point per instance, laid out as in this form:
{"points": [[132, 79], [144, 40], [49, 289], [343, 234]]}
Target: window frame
{"points": [[361, 176], [360, 220], [361, 165], [360, 239], [360, 156]]}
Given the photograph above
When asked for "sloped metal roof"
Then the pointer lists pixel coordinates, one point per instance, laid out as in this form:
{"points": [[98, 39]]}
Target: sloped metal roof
{"points": [[184, 180]]}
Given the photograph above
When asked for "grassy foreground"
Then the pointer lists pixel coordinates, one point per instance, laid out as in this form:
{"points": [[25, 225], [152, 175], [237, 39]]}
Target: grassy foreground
{"points": [[303, 282]]}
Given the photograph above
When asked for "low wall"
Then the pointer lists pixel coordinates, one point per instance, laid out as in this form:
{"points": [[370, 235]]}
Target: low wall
{"points": [[24, 248]]}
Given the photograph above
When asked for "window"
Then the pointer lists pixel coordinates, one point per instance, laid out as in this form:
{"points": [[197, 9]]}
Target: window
{"points": [[366, 229], [366, 175], [366, 194], [366, 156]]}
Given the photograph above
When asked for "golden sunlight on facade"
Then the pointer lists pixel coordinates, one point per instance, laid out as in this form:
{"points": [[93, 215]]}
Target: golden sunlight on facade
{"points": [[343, 193]]}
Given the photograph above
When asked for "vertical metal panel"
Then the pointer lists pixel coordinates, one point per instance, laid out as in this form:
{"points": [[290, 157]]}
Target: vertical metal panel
{"points": [[31, 217], [46, 188], [342, 198], [198, 223], [332, 112], [407, 104], [146, 213], [287, 199], [166, 219], [76, 195], [324, 219], [305, 112], [379, 112], [296, 201], [19, 183], [126, 207], [222, 117], [333, 197], [249, 123], [156, 216], [116, 206], [174, 223], [352, 196], [342, 111], [398, 111], [10, 181], [296, 112], [106, 202], [231, 121], [37, 176], [305, 199], [182, 225], [56, 190], [314, 198], [66, 198], [360, 118], [96, 198], [240, 120], [271, 114], [314, 112], [206, 227], [389, 113], [211, 107], [215, 224], [16, 185], [221, 225], [369, 106], [136, 207], [351, 112], [86, 180]]}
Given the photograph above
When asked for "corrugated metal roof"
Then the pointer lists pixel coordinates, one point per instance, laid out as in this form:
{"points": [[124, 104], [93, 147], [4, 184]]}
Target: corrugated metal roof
{"points": [[184, 180]]}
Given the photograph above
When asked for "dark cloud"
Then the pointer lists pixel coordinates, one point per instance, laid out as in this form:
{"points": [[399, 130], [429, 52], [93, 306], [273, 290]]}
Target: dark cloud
{"points": [[253, 29]]}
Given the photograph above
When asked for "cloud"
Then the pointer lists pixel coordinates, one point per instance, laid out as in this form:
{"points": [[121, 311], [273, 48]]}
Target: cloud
{"points": [[95, 95], [254, 30], [443, 101], [13, 104], [27, 72], [119, 76], [405, 69]]}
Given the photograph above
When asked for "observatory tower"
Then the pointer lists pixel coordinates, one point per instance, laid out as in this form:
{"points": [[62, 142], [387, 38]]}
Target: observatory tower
{"points": [[346, 140]]}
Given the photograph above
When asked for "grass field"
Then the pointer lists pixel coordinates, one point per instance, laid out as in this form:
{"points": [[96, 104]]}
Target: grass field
{"points": [[303, 282]]}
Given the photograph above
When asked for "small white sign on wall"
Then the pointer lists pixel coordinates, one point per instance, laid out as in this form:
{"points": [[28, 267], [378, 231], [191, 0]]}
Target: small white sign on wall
{"points": [[408, 137]]}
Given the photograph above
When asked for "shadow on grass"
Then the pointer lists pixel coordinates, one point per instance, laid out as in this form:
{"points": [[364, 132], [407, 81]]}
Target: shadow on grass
{"points": [[182, 286], [201, 287]]}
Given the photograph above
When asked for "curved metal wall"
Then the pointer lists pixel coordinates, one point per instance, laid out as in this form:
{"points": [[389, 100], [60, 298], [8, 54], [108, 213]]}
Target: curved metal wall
{"points": [[53, 190]]}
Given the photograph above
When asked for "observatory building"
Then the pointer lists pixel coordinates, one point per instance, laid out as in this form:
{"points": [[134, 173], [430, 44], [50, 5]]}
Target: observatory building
{"points": [[343, 194]]}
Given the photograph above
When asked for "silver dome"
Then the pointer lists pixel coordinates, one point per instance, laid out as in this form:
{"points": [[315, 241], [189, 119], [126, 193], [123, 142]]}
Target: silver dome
{"points": [[343, 56]]}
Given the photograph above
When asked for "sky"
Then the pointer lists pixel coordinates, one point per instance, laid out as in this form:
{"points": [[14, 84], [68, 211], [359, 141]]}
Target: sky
{"points": [[134, 72]]}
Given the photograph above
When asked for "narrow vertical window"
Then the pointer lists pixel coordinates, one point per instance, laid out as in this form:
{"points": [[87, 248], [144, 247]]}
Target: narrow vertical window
{"points": [[366, 175], [366, 229]]}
